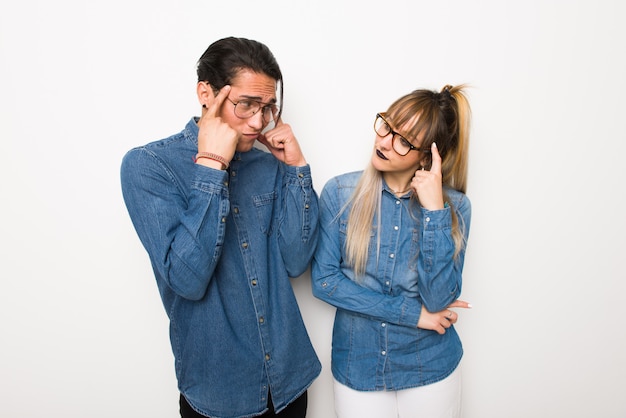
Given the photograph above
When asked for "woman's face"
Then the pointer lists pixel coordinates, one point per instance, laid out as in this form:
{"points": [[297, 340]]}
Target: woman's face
{"points": [[385, 158]]}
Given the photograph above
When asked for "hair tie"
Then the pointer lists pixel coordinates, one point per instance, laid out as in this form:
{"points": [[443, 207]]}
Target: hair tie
{"points": [[445, 96]]}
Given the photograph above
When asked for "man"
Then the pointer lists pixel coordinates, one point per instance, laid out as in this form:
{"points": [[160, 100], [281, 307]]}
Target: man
{"points": [[226, 225]]}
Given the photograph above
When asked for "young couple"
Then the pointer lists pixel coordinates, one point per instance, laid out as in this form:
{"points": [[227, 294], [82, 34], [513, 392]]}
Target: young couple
{"points": [[226, 225]]}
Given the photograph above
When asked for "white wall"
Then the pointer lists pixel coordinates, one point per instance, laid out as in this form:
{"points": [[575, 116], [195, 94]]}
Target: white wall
{"points": [[83, 332]]}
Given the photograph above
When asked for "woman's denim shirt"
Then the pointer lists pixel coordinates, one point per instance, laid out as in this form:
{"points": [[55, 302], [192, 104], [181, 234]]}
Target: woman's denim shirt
{"points": [[223, 246], [376, 343]]}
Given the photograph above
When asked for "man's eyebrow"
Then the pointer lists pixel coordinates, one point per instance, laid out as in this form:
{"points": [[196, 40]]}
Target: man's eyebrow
{"points": [[256, 99]]}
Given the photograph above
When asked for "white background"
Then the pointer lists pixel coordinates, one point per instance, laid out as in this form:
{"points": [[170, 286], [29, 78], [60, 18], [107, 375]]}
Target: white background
{"points": [[83, 332]]}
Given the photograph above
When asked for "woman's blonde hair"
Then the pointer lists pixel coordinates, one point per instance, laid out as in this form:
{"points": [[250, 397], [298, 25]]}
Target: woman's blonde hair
{"points": [[444, 118]]}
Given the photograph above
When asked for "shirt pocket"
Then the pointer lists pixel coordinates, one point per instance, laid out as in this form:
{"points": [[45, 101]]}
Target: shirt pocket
{"points": [[414, 249], [264, 208], [343, 236]]}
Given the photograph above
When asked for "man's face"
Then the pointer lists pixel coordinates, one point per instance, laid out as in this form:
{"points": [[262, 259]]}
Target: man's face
{"points": [[249, 89]]}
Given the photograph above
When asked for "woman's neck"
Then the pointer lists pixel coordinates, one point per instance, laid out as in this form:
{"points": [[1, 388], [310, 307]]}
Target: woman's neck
{"points": [[399, 185]]}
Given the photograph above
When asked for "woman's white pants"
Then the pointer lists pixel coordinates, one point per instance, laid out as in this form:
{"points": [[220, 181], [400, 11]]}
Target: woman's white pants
{"points": [[438, 400]]}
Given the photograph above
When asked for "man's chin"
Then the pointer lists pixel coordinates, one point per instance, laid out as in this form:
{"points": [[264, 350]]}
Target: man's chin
{"points": [[245, 146]]}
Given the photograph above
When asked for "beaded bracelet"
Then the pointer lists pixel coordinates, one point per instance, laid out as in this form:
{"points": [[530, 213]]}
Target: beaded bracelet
{"points": [[213, 157]]}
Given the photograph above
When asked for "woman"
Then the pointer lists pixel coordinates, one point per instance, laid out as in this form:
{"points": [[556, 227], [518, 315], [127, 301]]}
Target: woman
{"points": [[390, 258]]}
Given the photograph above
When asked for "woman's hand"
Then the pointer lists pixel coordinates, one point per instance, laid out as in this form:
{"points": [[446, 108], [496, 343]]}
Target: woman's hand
{"points": [[442, 320], [427, 184]]}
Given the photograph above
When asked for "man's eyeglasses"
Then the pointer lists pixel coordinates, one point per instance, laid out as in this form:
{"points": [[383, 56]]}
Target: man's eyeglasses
{"points": [[246, 108], [400, 144]]}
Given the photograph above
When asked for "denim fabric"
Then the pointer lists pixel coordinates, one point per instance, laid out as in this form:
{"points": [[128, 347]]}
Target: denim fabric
{"points": [[223, 246], [376, 342]]}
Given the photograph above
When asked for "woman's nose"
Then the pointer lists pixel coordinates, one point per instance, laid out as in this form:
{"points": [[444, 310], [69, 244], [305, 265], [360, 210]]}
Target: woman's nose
{"points": [[386, 141]]}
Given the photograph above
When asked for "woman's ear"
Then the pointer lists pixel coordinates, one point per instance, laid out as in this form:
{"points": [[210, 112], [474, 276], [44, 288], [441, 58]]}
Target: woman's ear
{"points": [[426, 161]]}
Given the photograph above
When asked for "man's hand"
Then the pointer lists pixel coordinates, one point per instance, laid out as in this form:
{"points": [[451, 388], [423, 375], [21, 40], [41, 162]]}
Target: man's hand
{"points": [[283, 145], [214, 135]]}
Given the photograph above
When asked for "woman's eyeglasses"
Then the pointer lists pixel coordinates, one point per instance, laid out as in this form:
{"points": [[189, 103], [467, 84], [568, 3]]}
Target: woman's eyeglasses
{"points": [[400, 144]]}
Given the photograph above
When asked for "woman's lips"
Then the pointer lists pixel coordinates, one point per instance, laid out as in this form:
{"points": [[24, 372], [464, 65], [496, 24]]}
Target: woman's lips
{"points": [[381, 155]]}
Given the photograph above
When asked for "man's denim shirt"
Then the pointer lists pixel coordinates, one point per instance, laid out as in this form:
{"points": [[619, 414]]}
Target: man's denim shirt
{"points": [[376, 342], [223, 246]]}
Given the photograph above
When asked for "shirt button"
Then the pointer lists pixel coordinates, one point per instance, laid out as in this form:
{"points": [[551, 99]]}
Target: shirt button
{"points": [[261, 320], [387, 283], [384, 353], [427, 219], [324, 284], [236, 210], [383, 325], [226, 183], [392, 255], [396, 227], [244, 245], [397, 202], [267, 357], [253, 282], [300, 175], [233, 173], [306, 206], [223, 220]]}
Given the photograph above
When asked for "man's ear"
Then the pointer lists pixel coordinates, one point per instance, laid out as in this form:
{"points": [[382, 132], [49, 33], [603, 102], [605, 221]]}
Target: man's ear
{"points": [[205, 93]]}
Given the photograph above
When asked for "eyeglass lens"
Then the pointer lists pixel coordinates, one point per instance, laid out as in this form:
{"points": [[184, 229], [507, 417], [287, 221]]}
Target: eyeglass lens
{"points": [[248, 108], [400, 144]]}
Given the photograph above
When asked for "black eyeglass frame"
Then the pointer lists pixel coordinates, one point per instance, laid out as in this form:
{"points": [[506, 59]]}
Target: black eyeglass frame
{"points": [[262, 106], [394, 135]]}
